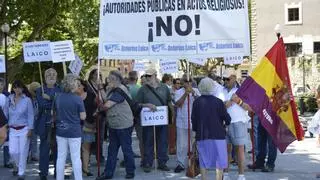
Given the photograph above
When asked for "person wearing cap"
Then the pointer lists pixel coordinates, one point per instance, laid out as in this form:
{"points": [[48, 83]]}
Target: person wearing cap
{"points": [[237, 131], [147, 98], [34, 138]]}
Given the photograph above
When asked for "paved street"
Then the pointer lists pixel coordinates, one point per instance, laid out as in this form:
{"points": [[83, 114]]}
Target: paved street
{"points": [[301, 161]]}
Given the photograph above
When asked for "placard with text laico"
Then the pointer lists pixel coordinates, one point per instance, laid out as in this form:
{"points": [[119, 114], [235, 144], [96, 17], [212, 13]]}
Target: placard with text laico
{"points": [[156, 29], [156, 118]]}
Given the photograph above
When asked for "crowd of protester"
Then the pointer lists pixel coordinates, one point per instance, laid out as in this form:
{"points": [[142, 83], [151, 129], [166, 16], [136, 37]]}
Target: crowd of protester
{"points": [[75, 116]]}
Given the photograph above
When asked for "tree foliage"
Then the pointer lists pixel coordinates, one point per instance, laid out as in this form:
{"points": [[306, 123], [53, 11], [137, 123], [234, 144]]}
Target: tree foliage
{"points": [[53, 20]]}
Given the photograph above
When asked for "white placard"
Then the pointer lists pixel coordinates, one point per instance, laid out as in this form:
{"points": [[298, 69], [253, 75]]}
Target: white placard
{"points": [[233, 58], [168, 66], [200, 61], [159, 117], [76, 65], [138, 66], [173, 29], [62, 51], [39, 51], [2, 64]]}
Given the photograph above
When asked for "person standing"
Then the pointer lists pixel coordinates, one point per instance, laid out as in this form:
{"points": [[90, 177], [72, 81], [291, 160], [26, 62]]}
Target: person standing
{"points": [[6, 155], [96, 87], [43, 124], [151, 95], [209, 120], [265, 145], [20, 115], [183, 122], [237, 131], [88, 127], [120, 120], [69, 111], [133, 90], [34, 138]]}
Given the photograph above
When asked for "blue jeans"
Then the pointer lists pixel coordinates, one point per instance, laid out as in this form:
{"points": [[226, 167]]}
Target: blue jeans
{"points": [[162, 145], [117, 138], [265, 139], [256, 123], [45, 145]]}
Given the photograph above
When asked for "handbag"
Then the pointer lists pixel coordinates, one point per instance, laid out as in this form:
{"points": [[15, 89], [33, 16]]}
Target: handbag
{"points": [[170, 106], [193, 169]]}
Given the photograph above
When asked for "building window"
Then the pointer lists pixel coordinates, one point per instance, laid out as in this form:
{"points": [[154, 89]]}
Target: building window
{"points": [[293, 49], [293, 13], [316, 47]]}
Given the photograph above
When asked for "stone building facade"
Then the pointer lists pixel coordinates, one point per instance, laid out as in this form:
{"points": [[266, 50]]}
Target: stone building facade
{"points": [[300, 30]]}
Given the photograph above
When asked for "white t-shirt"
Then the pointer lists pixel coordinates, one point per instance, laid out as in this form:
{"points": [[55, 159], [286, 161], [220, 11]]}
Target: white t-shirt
{"points": [[236, 112], [182, 112], [3, 100], [218, 90]]}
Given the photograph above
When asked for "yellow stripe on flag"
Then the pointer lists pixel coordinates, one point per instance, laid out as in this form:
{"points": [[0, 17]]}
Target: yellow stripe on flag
{"points": [[266, 76], [287, 118]]}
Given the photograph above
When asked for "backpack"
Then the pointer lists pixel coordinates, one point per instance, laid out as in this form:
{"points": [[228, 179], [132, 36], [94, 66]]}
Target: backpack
{"points": [[134, 105]]}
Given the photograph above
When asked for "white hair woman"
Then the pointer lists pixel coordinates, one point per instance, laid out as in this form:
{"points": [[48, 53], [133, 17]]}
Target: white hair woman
{"points": [[120, 120], [69, 110], [209, 118]]}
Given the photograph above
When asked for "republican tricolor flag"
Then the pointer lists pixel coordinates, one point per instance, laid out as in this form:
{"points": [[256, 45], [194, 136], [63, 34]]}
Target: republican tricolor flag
{"points": [[268, 92]]}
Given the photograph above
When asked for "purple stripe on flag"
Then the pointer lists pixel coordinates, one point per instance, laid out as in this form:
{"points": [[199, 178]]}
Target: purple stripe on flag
{"points": [[254, 95]]}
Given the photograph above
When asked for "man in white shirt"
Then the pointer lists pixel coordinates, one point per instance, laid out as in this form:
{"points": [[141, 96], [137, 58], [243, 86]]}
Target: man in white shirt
{"points": [[237, 130], [183, 121]]}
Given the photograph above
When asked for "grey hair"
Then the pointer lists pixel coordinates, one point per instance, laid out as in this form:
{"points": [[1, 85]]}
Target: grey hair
{"points": [[118, 76], [70, 83], [206, 86], [49, 70]]}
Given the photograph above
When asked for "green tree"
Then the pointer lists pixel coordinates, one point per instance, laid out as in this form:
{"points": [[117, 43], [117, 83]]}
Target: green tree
{"points": [[35, 20]]}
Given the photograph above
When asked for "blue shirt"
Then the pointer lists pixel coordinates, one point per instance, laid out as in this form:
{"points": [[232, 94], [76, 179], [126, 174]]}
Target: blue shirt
{"points": [[20, 114], [68, 107], [44, 103]]}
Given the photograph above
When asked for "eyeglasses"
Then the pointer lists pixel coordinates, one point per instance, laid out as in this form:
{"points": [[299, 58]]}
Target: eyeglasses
{"points": [[226, 79], [148, 76]]}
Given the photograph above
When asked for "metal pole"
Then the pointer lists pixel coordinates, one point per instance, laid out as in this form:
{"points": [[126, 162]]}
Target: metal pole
{"points": [[303, 76], [6, 58]]}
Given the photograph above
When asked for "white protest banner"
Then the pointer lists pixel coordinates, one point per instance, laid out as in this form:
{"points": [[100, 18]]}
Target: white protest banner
{"points": [[138, 66], [233, 58], [150, 118], [185, 29], [168, 66], [2, 64], [76, 65], [62, 51], [200, 61], [39, 51]]}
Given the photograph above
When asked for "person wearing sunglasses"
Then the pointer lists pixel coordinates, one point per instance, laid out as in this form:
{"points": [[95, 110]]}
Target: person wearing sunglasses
{"points": [[147, 98], [183, 122], [237, 131]]}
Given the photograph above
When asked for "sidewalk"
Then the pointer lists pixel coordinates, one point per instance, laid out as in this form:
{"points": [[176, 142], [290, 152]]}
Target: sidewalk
{"points": [[300, 161]]}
